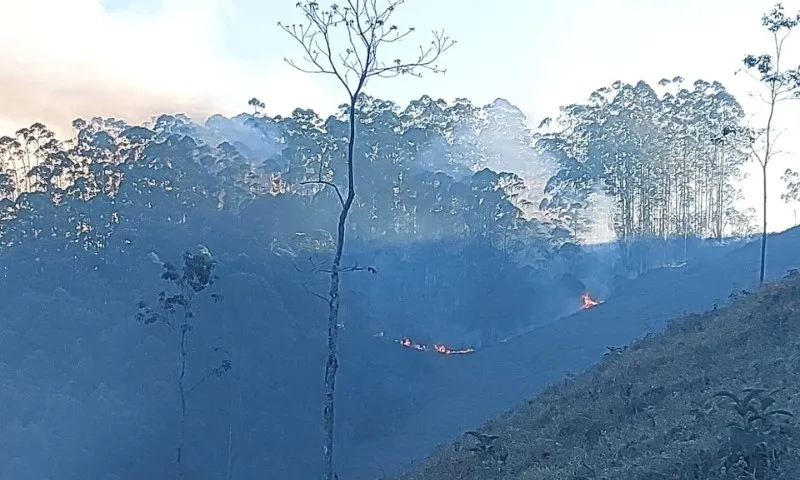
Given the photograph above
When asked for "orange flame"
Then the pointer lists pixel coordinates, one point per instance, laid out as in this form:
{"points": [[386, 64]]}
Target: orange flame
{"points": [[587, 301], [406, 342], [445, 350], [437, 347]]}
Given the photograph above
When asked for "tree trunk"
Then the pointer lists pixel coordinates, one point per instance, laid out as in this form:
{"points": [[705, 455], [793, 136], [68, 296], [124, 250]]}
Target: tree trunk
{"points": [[764, 225], [332, 364], [182, 390]]}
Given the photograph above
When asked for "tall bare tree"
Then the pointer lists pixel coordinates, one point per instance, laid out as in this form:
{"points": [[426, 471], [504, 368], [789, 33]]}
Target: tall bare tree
{"points": [[364, 29], [781, 84]]}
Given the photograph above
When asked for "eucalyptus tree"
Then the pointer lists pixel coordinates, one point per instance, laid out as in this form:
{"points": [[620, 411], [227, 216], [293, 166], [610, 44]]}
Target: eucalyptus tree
{"points": [[257, 105], [666, 161]]}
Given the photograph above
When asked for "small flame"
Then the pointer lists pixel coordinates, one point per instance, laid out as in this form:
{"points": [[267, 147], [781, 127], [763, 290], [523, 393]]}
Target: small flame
{"points": [[437, 347], [587, 301], [445, 350], [406, 342]]}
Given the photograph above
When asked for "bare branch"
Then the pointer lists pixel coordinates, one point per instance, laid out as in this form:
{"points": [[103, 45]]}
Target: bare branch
{"points": [[210, 373], [352, 268], [307, 37], [297, 267], [357, 268], [367, 27], [764, 100], [315, 267], [426, 59], [775, 140], [321, 297], [325, 182], [753, 136]]}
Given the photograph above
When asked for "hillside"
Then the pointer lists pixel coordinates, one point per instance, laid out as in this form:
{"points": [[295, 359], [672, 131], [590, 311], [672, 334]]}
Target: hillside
{"points": [[646, 411], [502, 377], [89, 392], [81, 233]]}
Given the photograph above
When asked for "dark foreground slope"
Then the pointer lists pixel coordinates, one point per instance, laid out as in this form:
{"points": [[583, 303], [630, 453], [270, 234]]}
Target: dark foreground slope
{"points": [[86, 392], [499, 378], [650, 411]]}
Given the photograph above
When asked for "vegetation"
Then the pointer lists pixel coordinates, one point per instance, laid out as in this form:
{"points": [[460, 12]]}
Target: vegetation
{"points": [[432, 209], [781, 84], [630, 156], [175, 312], [368, 28], [484, 224], [658, 409], [114, 195]]}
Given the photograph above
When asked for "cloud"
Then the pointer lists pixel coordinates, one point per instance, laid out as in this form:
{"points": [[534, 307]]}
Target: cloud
{"points": [[61, 60]]}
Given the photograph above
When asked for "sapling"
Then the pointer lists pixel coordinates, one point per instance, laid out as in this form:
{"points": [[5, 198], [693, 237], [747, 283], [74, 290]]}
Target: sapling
{"points": [[755, 409], [174, 311], [780, 84]]}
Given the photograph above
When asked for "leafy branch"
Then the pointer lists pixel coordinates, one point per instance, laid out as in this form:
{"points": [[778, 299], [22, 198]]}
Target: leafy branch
{"points": [[752, 406]]}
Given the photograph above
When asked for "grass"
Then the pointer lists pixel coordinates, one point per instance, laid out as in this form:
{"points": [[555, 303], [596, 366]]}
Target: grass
{"points": [[663, 408]]}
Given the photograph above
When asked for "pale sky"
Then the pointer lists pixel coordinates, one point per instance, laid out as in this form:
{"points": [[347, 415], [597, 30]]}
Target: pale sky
{"points": [[62, 59]]}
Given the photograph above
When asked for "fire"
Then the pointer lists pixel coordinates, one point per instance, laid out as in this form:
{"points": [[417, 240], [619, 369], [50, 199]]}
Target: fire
{"points": [[445, 350], [406, 342], [587, 301], [437, 347]]}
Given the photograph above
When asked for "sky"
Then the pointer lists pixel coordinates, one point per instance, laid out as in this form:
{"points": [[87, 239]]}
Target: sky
{"points": [[63, 59]]}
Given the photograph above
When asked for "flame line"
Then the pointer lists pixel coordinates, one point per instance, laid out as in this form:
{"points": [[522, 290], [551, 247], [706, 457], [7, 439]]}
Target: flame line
{"points": [[437, 347]]}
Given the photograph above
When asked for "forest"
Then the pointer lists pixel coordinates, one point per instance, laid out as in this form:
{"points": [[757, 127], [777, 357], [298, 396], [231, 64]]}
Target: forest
{"points": [[179, 301], [453, 198], [431, 171]]}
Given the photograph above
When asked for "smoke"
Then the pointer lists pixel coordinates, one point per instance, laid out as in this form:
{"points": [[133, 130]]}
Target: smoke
{"points": [[60, 60], [506, 154], [599, 218], [502, 136]]}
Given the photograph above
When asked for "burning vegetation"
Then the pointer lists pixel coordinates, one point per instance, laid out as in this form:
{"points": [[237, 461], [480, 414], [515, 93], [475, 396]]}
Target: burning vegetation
{"points": [[587, 301], [437, 347]]}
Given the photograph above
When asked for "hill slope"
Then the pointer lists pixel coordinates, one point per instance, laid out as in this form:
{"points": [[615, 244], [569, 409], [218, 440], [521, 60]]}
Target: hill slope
{"points": [[476, 387], [648, 411]]}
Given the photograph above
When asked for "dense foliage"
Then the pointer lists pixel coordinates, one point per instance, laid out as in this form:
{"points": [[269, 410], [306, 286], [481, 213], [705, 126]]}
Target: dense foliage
{"points": [[87, 222], [669, 163]]}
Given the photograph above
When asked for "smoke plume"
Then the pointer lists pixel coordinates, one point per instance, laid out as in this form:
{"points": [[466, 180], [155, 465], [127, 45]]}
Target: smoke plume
{"points": [[60, 60]]}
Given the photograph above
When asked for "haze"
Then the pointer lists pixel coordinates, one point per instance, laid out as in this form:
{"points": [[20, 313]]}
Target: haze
{"points": [[133, 59], [161, 274]]}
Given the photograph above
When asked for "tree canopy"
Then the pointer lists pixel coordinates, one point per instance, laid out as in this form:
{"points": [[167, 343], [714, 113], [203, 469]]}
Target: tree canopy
{"points": [[663, 162], [448, 213]]}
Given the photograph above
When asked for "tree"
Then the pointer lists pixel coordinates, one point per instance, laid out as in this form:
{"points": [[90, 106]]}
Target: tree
{"points": [[792, 180], [661, 163], [256, 104], [781, 84], [175, 311], [366, 30], [131, 189]]}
